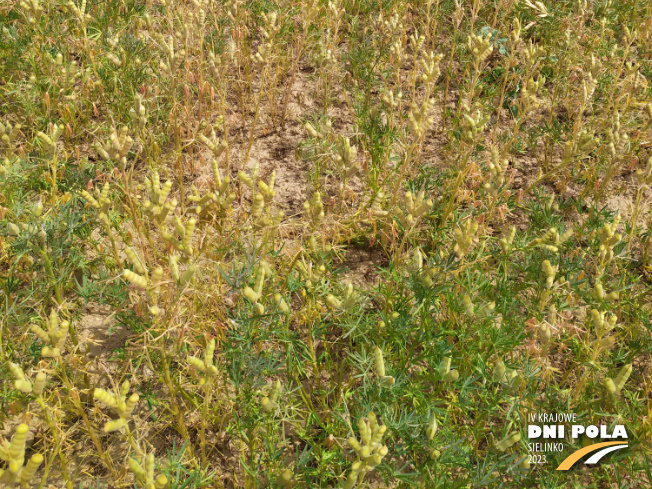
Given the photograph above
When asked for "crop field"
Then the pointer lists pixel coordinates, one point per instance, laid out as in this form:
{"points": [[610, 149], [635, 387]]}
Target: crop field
{"points": [[325, 244]]}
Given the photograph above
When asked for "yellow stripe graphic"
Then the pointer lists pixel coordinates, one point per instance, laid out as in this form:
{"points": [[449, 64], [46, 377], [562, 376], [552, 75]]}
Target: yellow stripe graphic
{"points": [[574, 457]]}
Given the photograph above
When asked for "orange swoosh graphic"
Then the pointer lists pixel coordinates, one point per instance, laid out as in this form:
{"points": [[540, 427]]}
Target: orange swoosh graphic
{"points": [[574, 457]]}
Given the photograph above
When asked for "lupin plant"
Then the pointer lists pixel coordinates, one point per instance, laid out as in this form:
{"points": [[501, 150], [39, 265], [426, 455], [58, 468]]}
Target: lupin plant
{"points": [[614, 386], [379, 364], [18, 471], [261, 210], [345, 303], [509, 440], [145, 475], [32, 10], [218, 201], [269, 403], [448, 374], [314, 209], [117, 147], [26, 386], [54, 336], [465, 238], [415, 208], [369, 449], [551, 240], [157, 205], [8, 136], [118, 402]]}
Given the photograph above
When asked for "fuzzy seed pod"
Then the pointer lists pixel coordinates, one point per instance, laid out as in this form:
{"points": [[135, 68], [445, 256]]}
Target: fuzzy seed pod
{"points": [[137, 470], [445, 366], [18, 441], [508, 441], [281, 304], [16, 371], [135, 279], [451, 376], [135, 261], [285, 479], [249, 293], [499, 370], [622, 377], [333, 301], [13, 229], [130, 405], [379, 362], [30, 468], [197, 363], [115, 425], [24, 386], [268, 405], [48, 352], [431, 431], [186, 277], [39, 383], [105, 397]]}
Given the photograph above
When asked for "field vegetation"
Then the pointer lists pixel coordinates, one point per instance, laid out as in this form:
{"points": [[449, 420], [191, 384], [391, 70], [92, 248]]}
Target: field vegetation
{"points": [[326, 243]]}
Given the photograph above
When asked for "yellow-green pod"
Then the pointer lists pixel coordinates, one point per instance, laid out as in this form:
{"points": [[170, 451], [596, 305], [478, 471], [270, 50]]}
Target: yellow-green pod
{"points": [[353, 443], [54, 320], [333, 301], [30, 468], [13, 229], [499, 370], [149, 466], [468, 305], [23, 385], [285, 479], [445, 365], [39, 383], [135, 261], [268, 405], [130, 405], [210, 350], [186, 277], [17, 445], [160, 482], [124, 388], [246, 179], [197, 363], [508, 441], [260, 281], [135, 279], [165, 191], [190, 229], [174, 267], [379, 362], [16, 371], [622, 377], [48, 352], [137, 470], [281, 304], [451, 376], [105, 397], [115, 425], [431, 431], [387, 381], [598, 290], [38, 331]]}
